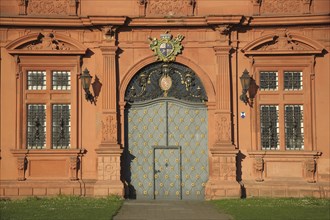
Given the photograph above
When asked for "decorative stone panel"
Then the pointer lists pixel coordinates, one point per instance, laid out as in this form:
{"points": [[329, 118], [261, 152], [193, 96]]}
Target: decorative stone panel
{"points": [[48, 7], [284, 6], [168, 7]]}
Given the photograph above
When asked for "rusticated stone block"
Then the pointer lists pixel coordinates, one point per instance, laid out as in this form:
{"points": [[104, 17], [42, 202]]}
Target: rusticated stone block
{"points": [[53, 191], [25, 192], [66, 191], [39, 191], [11, 192]]}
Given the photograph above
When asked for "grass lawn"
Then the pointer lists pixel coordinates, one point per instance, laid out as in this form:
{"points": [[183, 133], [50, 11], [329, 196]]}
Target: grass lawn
{"points": [[61, 207], [275, 209]]}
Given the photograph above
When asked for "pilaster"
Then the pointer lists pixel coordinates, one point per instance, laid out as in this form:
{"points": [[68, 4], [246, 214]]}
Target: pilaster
{"points": [[109, 151]]}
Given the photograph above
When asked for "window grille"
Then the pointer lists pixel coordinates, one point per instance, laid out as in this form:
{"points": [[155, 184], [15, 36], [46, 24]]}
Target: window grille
{"points": [[36, 126], [61, 126], [269, 127], [294, 127], [268, 81], [293, 80], [61, 80], [36, 80]]}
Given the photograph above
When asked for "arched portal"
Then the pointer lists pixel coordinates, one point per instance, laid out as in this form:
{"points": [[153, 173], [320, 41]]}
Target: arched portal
{"points": [[166, 134]]}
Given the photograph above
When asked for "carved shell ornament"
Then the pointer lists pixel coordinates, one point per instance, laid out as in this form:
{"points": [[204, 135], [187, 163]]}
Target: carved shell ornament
{"points": [[167, 47]]}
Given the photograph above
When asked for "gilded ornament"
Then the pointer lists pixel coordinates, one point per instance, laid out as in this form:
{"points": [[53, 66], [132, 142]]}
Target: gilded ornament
{"points": [[166, 48]]}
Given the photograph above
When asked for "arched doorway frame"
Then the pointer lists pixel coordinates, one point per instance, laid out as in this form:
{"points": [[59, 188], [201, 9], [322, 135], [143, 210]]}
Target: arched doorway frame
{"points": [[203, 76]]}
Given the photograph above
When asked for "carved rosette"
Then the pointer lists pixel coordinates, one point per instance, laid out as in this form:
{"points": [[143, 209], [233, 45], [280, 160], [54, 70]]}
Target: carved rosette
{"points": [[74, 168], [259, 168], [109, 168], [109, 129], [310, 170], [170, 7], [21, 167]]}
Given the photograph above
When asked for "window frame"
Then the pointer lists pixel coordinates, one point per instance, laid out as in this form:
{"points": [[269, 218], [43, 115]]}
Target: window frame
{"points": [[47, 97], [282, 97]]}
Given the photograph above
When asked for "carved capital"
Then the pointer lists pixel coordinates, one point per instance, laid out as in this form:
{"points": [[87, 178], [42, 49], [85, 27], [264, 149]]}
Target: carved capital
{"points": [[109, 32]]}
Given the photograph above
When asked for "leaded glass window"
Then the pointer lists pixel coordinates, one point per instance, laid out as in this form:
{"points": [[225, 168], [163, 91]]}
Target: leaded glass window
{"points": [[36, 80], [294, 127], [61, 80], [293, 80], [61, 126], [36, 126], [268, 80], [269, 127]]}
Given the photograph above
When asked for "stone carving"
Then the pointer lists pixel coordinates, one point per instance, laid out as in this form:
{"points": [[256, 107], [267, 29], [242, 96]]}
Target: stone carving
{"points": [[52, 7], [223, 126], [109, 168], [227, 168], [283, 41], [109, 129], [310, 169], [109, 32], [47, 42], [170, 7], [259, 168], [22, 4], [281, 6], [74, 168], [21, 167]]}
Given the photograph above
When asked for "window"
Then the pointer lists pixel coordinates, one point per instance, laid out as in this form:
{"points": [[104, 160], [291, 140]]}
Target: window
{"points": [[47, 108], [281, 101]]}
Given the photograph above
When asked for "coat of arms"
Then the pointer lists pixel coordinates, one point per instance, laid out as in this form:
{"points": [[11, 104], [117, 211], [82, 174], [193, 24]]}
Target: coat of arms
{"points": [[167, 47]]}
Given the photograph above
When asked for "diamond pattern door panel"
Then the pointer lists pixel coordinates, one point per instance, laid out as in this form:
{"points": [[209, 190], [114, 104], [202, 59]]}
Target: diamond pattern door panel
{"points": [[167, 173], [146, 128], [167, 146], [187, 127]]}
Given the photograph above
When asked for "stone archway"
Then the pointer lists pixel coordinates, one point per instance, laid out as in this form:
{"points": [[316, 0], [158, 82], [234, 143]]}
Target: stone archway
{"points": [[166, 141]]}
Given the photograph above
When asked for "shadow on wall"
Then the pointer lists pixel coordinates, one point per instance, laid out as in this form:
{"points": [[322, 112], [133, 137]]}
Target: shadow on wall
{"points": [[239, 159], [126, 161]]}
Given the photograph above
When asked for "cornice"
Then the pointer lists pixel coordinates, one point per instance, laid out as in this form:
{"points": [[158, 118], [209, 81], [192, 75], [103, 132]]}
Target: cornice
{"points": [[289, 20], [62, 22]]}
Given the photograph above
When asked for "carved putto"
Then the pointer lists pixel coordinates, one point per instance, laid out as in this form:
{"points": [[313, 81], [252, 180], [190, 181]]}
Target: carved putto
{"points": [[47, 42], [282, 41]]}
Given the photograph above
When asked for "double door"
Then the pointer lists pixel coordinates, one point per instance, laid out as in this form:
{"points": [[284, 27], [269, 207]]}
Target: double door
{"points": [[166, 145]]}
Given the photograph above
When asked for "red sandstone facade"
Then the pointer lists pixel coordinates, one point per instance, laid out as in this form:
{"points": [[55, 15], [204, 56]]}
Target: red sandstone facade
{"points": [[221, 40]]}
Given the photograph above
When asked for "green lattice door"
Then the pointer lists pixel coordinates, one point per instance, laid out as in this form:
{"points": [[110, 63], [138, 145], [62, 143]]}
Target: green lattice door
{"points": [[167, 146]]}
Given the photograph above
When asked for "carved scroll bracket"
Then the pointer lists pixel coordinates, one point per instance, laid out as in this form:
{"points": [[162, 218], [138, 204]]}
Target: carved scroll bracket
{"points": [[109, 32], [224, 33]]}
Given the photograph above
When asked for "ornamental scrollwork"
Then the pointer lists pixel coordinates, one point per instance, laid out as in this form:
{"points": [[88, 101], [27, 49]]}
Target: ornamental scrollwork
{"points": [[47, 42], [165, 80]]}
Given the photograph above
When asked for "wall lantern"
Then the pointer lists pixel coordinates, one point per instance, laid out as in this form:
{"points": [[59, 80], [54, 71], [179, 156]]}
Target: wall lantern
{"points": [[86, 79], [245, 81]]}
